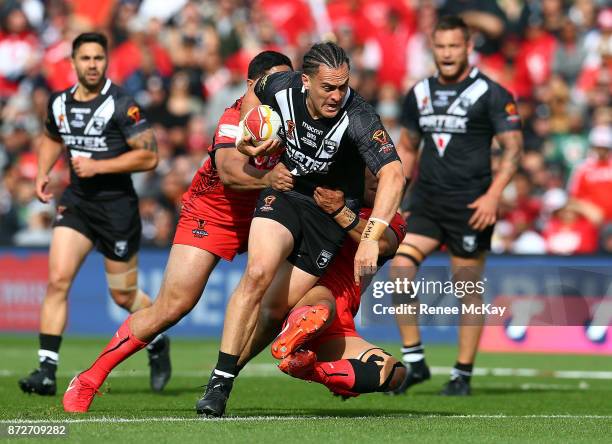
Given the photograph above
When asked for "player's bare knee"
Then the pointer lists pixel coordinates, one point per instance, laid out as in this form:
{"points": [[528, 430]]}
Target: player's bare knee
{"points": [[59, 284], [257, 277]]}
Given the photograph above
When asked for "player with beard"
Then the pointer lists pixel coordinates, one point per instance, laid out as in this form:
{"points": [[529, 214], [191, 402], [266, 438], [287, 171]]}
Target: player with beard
{"points": [[214, 224], [455, 114], [107, 138]]}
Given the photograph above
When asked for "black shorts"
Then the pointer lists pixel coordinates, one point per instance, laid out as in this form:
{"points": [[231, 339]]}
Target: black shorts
{"points": [[446, 219], [316, 236], [113, 226]]}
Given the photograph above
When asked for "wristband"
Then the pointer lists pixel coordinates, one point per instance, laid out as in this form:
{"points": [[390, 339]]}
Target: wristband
{"points": [[338, 211], [374, 229], [346, 218]]}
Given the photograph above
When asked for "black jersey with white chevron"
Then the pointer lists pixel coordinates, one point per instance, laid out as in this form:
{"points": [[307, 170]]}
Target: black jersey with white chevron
{"points": [[457, 123], [97, 129], [326, 152]]}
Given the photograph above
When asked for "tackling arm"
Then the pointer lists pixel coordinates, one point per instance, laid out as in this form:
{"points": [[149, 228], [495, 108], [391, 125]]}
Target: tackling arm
{"points": [[332, 202], [236, 173]]}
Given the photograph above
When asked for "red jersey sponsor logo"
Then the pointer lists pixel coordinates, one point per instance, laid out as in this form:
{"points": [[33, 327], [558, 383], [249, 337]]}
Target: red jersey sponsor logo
{"points": [[200, 232]]}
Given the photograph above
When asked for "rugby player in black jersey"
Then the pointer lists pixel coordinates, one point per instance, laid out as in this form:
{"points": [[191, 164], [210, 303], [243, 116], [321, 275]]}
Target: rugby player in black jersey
{"points": [[331, 134], [455, 114], [107, 137]]}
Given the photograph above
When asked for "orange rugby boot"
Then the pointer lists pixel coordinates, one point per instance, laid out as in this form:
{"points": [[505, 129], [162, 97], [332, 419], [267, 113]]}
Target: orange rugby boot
{"points": [[301, 325]]}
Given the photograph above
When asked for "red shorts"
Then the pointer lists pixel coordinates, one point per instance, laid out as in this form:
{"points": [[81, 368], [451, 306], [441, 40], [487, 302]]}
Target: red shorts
{"points": [[221, 240], [343, 324]]}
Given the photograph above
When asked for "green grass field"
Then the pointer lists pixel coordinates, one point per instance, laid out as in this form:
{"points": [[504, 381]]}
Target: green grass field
{"points": [[268, 406]]}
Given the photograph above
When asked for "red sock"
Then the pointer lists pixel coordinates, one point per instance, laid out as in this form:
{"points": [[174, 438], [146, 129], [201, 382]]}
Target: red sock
{"points": [[347, 377], [123, 345]]}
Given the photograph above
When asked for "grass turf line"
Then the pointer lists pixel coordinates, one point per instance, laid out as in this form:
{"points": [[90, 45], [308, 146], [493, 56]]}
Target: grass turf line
{"points": [[502, 409]]}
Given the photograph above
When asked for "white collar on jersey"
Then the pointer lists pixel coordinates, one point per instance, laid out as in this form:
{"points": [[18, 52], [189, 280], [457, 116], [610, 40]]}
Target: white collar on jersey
{"points": [[107, 86]]}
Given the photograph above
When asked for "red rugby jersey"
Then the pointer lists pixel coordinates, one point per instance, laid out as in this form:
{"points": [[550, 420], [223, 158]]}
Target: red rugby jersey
{"points": [[207, 197]]}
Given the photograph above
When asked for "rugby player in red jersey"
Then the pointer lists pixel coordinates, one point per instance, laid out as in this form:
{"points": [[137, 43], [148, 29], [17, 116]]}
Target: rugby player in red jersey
{"points": [[214, 224], [319, 342]]}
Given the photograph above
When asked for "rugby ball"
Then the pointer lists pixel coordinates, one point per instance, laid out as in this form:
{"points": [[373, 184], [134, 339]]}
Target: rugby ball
{"points": [[261, 123]]}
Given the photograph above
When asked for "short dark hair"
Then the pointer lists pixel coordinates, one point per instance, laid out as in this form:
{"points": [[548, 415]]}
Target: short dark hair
{"points": [[328, 54], [450, 22], [89, 37], [266, 60]]}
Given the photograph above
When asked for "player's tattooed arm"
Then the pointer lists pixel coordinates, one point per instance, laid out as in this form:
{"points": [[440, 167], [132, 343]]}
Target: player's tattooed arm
{"points": [[143, 141], [512, 145], [142, 157], [485, 207]]}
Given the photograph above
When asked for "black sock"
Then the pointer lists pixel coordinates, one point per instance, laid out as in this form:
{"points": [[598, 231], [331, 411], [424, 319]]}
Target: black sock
{"points": [[239, 368], [462, 371], [48, 353], [226, 366], [414, 355]]}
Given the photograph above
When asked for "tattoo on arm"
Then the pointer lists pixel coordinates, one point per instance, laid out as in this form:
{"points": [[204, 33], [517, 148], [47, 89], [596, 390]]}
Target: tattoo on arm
{"points": [[512, 144], [144, 141]]}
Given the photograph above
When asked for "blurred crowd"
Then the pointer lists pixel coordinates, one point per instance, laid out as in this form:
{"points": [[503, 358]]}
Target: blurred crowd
{"points": [[185, 61]]}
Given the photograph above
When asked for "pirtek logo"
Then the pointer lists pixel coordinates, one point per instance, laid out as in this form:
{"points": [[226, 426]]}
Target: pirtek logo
{"points": [[443, 123], [85, 141]]}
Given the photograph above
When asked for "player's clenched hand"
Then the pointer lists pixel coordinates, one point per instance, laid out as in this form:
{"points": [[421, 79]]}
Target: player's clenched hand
{"points": [[280, 178], [485, 213], [329, 200], [366, 259], [41, 184], [245, 146], [84, 167]]}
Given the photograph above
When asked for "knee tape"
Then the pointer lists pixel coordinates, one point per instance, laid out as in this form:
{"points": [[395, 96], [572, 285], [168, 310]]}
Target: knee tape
{"points": [[140, 300], [126, 281], [410, 252]]}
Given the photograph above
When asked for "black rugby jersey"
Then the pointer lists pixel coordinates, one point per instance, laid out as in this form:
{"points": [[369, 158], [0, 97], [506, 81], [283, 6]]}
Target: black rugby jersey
{"points": [[97, 129], [326, 152], [457, 123]]}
